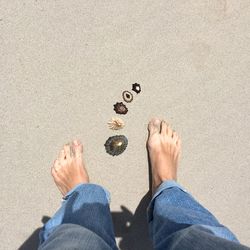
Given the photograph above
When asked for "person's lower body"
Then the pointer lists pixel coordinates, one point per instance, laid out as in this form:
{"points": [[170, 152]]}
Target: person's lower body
{"points": [[176, 220]]}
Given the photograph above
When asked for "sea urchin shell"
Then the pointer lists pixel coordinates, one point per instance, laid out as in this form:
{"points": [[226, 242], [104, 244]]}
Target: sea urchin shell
{"points": [[120, 108], [116, 123], [116, 145]]}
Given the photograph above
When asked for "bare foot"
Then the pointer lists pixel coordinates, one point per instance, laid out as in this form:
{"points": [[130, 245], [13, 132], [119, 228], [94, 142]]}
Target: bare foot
{"points": [[164, 148], [68, 169]]}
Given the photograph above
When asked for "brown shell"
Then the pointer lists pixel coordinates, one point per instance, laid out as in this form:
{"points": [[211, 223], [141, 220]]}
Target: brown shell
{"points": [[127, 96], [120, 108], [116, 145]]}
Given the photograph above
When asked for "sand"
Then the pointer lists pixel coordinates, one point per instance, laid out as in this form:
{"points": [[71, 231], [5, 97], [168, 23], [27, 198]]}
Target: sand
{"points": [[64, 64]]}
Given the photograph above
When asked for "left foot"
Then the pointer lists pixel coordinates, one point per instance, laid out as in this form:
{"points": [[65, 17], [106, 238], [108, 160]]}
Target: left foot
{"points": [[68, 169]]}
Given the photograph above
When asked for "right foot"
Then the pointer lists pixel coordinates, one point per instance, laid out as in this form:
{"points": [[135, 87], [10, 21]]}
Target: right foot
{"points": [[68, 169], [164, 148]]}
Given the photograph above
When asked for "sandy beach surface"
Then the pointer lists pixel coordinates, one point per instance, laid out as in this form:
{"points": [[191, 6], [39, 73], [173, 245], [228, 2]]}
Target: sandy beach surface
{"points": [[64, 64]]}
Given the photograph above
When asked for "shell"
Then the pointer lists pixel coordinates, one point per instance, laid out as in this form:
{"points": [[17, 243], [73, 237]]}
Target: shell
{"points": [[127, 96], [136, 87], [116, 145], [120, 108], [116, 123]]}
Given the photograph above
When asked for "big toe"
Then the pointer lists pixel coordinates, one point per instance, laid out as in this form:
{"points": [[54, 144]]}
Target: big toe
{"points": [[154, 126], [77, 148]]}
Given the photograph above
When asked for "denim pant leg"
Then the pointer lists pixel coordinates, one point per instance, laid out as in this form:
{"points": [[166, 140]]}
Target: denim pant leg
{"points": [[173, 209], [87, 205], [71, 236], [197, 237]]}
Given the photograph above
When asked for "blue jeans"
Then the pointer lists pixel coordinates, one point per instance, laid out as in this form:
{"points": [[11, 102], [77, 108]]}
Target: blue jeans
{"points": [[176, 221]]}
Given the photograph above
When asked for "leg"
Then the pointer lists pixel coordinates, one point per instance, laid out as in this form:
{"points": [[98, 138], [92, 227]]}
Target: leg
{"points": [[71, 236], [196, 238], [84, 204], [172, 209]]}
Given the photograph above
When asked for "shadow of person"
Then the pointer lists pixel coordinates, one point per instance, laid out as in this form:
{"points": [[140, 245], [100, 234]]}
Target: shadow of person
{"points": [[133, 229], [33, 241]]}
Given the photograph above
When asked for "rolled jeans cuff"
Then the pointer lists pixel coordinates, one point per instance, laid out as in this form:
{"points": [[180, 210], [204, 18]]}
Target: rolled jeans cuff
{"points": [[78, 187], [81, 188], [164, 185]]}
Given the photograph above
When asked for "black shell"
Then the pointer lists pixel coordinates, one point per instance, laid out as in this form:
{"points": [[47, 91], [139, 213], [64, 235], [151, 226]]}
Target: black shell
{"points": [[120, 108], [115, 145], [136, 87]]}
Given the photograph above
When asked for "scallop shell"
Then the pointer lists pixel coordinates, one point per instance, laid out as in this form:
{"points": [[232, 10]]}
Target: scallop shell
{"points": [[116, 123], [116, 145]]}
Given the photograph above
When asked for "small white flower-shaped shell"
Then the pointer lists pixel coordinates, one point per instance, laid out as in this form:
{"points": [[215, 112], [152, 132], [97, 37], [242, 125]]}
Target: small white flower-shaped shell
{"points": [[116, 123]]}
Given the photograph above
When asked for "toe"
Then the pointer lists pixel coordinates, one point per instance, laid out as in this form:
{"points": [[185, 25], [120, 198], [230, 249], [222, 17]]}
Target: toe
{"points": [[178, 143], [56, 165], [55, 175], [66, 148], [150, 125], [62, 155], [164, 127], [154, 126], [77, 148], [53, 171], [157, 124], [169, 131], [174, 136]]}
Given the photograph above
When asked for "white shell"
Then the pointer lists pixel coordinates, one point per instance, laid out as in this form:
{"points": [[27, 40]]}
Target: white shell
{"points": [[116, 123]]}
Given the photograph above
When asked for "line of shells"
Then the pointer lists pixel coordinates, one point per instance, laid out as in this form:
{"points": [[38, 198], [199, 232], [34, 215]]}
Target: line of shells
{"points": [[120, 107], [116, 145]]}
